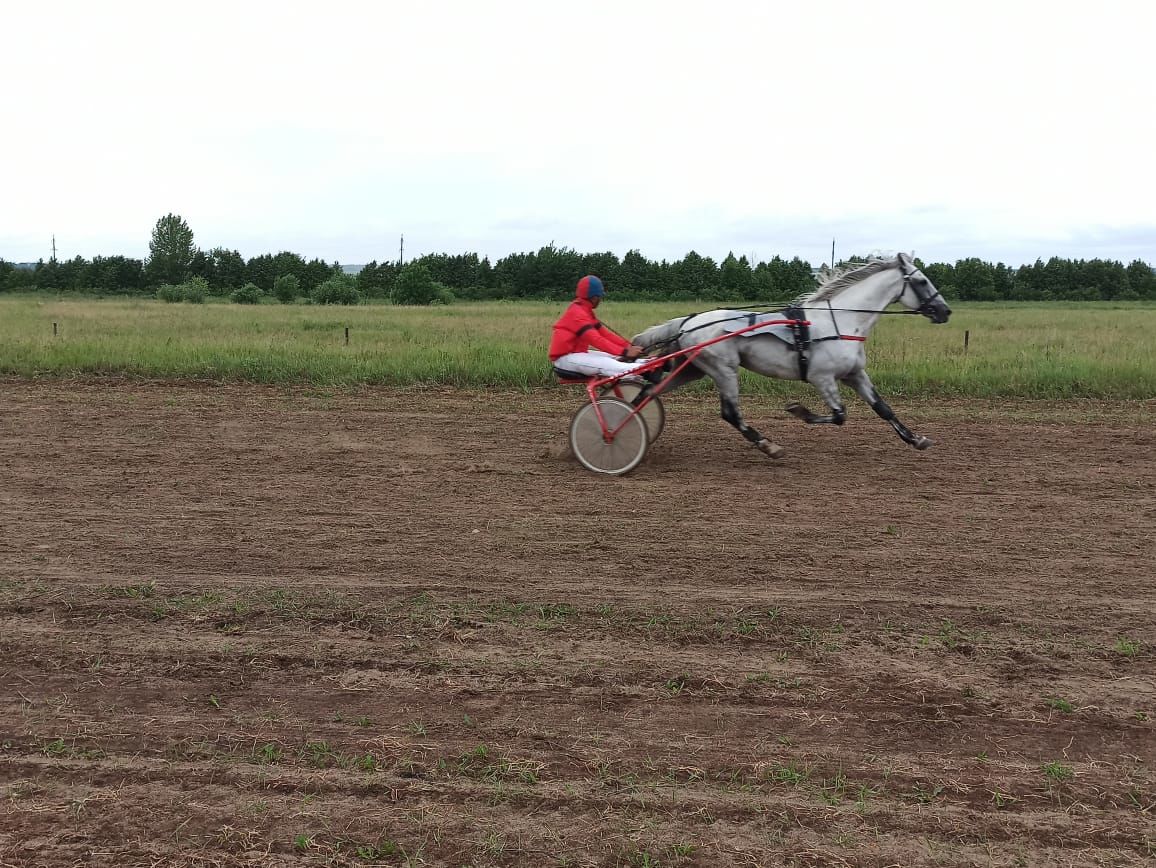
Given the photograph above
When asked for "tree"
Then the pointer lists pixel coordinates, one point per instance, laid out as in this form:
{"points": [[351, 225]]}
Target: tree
{"points": [[1142, 279], [338, 289], [376, 281], [736, 278], [286, 262], [1102, 279], [786, 280], [1004, 281], [250, 293], [415, 285], [695, 276], [170, 251], [942, 274], [315, 273], [486, 281], [606, 266], [48, 275], [551, 273], [228, 270], [203, 266], [1057, 277], [974, 280], [74, 273], [1030, 284], [459, 272], [286, 288], [15, 278], [260, 271]]}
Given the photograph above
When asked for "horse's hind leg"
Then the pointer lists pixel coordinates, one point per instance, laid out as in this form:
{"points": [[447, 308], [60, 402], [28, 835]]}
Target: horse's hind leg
{"points": [[728, 387], [829, 391], [862, 384]]}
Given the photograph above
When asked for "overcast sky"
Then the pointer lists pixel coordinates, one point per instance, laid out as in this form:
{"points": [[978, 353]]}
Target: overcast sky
{"points": [[1005, 130]]}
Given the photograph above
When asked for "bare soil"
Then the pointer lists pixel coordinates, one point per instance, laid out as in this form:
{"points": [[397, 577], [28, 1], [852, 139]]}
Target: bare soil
{"points": [[259, 626]]}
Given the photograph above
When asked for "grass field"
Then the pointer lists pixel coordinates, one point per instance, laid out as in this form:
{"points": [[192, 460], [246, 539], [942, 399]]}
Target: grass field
{"points": [[1015, 350]]}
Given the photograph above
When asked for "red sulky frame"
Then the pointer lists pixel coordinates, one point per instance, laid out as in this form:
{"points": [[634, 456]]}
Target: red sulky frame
{"points": [[593, 385]]}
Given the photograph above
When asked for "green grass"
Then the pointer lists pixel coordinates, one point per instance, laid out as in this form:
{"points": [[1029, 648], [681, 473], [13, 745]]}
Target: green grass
{"points": [[1054, 350], [1127, 647], [1057, 772]]}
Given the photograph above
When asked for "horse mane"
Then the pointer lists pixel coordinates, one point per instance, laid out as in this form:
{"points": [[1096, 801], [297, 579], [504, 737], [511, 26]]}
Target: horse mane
{"points": [[835, 281]]}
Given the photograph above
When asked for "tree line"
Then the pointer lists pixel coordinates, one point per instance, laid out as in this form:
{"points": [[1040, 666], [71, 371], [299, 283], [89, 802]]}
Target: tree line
{"points": [[177, 270]]}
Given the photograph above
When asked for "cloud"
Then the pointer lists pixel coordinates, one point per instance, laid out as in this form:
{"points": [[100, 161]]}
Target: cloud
{"points": [[1005, 131]]}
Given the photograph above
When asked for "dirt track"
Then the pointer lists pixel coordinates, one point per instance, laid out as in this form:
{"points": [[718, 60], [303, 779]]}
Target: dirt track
{"points": [[248, 626]]}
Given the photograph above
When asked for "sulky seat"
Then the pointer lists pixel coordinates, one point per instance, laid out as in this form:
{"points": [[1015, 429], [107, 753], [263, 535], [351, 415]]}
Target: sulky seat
{"points": [[571, 378]]}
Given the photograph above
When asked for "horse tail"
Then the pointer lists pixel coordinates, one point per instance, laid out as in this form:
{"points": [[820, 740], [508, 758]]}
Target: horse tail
{"points": [[663, 335]]}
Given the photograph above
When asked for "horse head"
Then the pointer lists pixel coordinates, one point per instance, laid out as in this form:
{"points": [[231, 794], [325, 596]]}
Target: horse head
{"points": [[919, 293]]}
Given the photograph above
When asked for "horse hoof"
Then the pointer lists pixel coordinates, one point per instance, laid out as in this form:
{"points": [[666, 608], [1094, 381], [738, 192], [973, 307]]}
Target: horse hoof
{"points": [[922, 443], [772, 450]]}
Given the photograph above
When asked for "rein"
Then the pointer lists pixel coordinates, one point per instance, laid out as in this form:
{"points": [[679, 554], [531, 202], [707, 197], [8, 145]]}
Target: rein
{"points": [[907, 275], [777, 307], [787, 307], [793, 310]]}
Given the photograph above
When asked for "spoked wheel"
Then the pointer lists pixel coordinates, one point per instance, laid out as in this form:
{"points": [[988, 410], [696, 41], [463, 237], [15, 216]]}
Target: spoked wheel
{"points": [[654, 414], [620, 455]]}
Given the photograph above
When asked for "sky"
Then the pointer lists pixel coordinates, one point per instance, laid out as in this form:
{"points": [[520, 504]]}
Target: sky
{"points": [[1007, 130]]}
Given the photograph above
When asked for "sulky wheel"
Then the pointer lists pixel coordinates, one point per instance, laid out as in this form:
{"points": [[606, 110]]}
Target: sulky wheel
{"points": [[654, 414], [620, 455]]}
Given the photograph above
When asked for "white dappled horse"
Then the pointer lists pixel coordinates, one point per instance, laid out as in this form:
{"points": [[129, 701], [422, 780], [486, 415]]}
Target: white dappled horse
{"points": [[841, 312]]}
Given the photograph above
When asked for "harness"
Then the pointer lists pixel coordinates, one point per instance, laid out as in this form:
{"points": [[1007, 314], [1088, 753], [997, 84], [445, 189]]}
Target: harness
{"points": [[801, 331], [801, 328]]}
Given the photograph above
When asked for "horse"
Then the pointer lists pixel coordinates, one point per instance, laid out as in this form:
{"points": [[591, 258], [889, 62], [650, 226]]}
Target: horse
{"points": [[841, 311]]}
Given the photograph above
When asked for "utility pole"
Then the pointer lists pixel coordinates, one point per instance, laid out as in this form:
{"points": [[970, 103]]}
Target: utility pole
{"points": [[401, 252], [832, 254]]}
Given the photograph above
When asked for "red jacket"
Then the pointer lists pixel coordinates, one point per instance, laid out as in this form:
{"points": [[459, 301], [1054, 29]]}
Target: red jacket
{"points": [[578, 329]]}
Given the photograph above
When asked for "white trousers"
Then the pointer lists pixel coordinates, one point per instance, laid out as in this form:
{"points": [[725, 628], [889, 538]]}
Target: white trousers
{"points": [[595, 364]]}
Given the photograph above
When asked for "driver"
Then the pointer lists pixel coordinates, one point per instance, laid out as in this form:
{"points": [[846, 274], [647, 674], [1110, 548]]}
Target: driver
{"points": [[578, 329]]}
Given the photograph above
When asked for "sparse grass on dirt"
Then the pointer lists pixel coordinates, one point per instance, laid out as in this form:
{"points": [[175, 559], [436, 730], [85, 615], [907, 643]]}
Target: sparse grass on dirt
{"points": [[243, 626]]}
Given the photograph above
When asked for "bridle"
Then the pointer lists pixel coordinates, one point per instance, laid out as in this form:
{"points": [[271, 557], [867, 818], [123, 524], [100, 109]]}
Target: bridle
{"points": [[924, 301]]}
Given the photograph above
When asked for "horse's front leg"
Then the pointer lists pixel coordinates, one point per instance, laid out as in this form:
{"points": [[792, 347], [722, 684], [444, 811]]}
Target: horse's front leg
{"points": [[862, 384], [829, 391], [728, 387]]}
